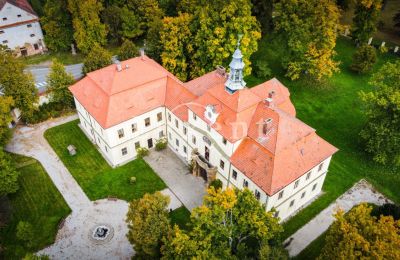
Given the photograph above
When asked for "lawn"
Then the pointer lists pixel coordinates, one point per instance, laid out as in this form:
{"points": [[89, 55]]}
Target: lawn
{"points": [[93, 173], [335, 111], [65, 58], [38, 202]]}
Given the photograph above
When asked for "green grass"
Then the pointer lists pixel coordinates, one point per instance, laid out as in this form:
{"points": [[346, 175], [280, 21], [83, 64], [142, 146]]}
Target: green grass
{"points": [[180, 217], [335, 111], [65, 58], [38, 202], [313, 250], [92, 172]]}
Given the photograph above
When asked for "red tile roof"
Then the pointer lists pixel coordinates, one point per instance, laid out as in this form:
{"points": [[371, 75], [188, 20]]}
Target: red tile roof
{"points": [[23, 4], [272, 159]]}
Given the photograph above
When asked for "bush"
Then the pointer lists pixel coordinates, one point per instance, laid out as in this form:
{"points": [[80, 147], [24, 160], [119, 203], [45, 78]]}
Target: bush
{"points": [[97, 58], [25, 232], [142, 152], [261, 68], [127, 50], [217, 184], [161, 144], [383, 49], [132, 180], [364, 59], [47, 111]]}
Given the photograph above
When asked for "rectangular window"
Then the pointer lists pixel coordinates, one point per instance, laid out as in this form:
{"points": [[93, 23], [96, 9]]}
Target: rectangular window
{"points": [[121, 133], [19, 15], [147, 122], [176, 123], [5, 41], [194, 139], [314, 186], [4, 18], [320, 167], [296, 184], [36, 47], [137, 145], [257, 194], [161, 134], [177, 142], [308, 176], [208, 128], [291, 203], [169, 135], [29, 25], [169, 117], [1, 31], [303, 194], [32, 35], [280, 195], [245, 184], [150, 143], [184, 130], [124, 151], [184, 149], [234, 174], [194, 116], [221, 164], [105, 147], [223, 140], [134, 128], [159, 117]]}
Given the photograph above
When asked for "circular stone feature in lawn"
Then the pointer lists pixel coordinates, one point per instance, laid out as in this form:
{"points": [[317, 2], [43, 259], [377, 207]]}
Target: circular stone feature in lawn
{"points": [[101, 233]]}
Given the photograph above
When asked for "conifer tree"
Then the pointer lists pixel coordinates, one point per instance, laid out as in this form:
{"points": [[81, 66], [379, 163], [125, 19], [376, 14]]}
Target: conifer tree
{"points": [[366, 15], [58, 82]]}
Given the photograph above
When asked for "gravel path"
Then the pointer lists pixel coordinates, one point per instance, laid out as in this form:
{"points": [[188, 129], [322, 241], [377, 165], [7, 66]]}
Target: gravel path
{"points": [[74, 240], [360, 192]]}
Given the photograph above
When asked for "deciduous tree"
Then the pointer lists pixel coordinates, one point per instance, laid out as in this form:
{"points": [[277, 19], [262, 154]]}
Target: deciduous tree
{"points": [[381, 132], [364, 59], [8, 175], [58, 82], [17, 84], [146, 11], [366, 16], [97, 58], [230, 224], [309, 29], [57, 25], [6, 104], [262, 9], [88, 29], [127, 50], [358, 235], [148, 222]]}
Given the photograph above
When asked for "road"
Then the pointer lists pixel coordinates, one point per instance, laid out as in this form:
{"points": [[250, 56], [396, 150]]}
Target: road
{"points": [[40, 74]]}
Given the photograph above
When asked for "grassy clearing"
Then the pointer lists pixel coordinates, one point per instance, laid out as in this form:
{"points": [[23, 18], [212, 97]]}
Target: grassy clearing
{"points": [[65, 58], [335, 111], [38, 202], [180, 217], [92, 172]]}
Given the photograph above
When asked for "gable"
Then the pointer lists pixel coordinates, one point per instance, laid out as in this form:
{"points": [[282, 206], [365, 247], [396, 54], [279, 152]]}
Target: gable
{"points": [[16, 13]]}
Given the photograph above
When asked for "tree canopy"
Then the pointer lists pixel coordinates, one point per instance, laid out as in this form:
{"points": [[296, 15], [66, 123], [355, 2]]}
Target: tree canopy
{"points": [[97, 58], [364, 59], [366, 16], [127, 50], [8, 175], [309, 29], [358, 235], [6, 104], [381, 133], [58, 82], [230, 224]]}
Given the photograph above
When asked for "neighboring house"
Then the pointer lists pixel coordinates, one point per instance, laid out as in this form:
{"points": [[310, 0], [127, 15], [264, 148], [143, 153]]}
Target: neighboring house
{"points": [[20, 30], [244, 137]]}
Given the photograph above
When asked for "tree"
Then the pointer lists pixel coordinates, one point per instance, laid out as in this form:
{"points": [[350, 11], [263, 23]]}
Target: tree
{"points": [[17, 84], [262, 9], [231, 224], [366, 16], [358, 235], [175, 37], [309, 30], [58, 82], [111, 16], [88, 29], [25, 232], [153, 40], [381, 133], [130, 26], [6, 104], [57, 25], [8, 175], [364, 59], [97, 58], [146, 11], [396, 20], [148, 222], [127, 50]]}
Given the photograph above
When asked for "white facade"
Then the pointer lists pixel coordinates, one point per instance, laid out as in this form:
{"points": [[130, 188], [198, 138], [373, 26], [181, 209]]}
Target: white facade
{"points": [[20, 31]]}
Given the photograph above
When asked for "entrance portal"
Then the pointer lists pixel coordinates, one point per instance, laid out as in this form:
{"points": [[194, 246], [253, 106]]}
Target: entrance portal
{"points": [[203, 174]]}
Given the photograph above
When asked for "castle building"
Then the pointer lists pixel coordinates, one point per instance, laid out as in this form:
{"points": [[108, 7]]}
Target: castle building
{"points": [[20, 29], [246, 137]]}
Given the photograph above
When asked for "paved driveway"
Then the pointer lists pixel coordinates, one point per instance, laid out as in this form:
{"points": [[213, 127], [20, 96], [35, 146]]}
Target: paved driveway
{"points": [[189, 189]]}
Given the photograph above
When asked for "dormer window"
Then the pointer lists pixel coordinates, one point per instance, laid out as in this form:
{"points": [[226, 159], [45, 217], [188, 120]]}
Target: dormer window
{"points": [[267, 126], [211, 114]]}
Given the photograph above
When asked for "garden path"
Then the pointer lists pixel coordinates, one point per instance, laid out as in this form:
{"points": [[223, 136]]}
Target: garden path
{"points": [[362, 191]]}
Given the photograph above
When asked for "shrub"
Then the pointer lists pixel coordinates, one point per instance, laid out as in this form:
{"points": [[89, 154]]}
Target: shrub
{"points": [[25, 232], [364, 59], [383, 49], [217, 184], [132, 180], [97, 58], [142, 152], [127, 50], [261, 69], [161, 144]]}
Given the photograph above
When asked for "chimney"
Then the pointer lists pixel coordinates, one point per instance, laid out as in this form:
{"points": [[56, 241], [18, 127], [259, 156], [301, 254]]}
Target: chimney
{"points": [[270, 101], [118, 63], [141, 51], [221, 70]]}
